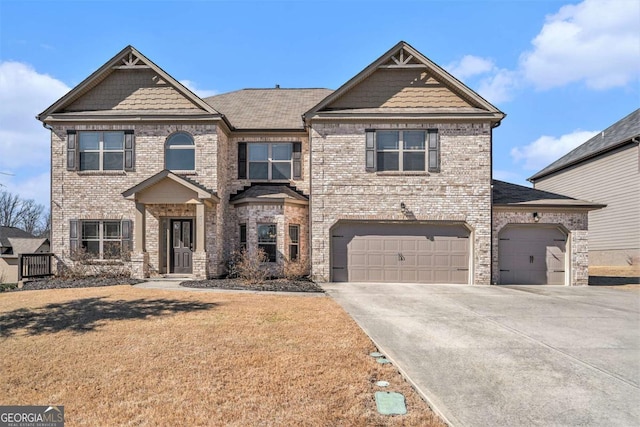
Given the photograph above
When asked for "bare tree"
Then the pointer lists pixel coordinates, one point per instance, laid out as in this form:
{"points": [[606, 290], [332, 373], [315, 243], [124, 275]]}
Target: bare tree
{"points": [[24, 214]]}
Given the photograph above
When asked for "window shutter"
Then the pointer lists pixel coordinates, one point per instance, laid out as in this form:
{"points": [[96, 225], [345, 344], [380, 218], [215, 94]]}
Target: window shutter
{"points": [[242, 160], [126, 229], [297, 160], [74, 237], [72, 150], [370, 150], [129, 150], [433, 151]]}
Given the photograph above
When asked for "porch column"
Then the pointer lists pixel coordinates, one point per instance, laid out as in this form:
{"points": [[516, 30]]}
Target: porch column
{"points": [[140, 227], [200, 227]]}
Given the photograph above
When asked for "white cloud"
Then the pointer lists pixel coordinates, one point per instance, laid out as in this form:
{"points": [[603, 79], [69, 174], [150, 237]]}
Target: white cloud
{"points": [[547, 149], [499, 87], [202, 93], [596, 41], [23, 94], [470, 66]]}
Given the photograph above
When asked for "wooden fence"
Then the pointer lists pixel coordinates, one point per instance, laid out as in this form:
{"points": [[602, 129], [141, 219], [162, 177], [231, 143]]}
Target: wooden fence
{"points": [[34, 265]]}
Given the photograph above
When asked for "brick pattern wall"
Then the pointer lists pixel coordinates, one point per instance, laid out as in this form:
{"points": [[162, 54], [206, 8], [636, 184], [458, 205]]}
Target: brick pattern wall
{"points": [[132, 90], [577, 248], [98, 195], [342, 189], [400, 89]]}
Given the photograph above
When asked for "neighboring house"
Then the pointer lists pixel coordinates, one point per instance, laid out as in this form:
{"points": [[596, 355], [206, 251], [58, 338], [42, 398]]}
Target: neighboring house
{"points": [[606, 169], [14, 242], [386, 179]]}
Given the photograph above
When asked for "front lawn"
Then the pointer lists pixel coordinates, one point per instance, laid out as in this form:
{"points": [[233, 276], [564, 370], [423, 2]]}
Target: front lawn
{"points": [[125, 356]]}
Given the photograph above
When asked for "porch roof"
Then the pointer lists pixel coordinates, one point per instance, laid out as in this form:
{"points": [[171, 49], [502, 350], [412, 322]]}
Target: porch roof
{"points": [[162, 195]]}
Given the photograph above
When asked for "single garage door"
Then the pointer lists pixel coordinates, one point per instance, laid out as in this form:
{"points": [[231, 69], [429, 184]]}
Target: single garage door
{"points": [[532, 255], [408, 253]]}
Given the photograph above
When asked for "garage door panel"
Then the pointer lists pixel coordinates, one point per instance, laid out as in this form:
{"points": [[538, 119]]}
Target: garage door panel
{"points": [[385, 252], [532, 255]]}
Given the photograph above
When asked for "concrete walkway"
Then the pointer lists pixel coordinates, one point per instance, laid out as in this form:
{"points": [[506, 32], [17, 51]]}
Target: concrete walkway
{"points": [[509, 356]]}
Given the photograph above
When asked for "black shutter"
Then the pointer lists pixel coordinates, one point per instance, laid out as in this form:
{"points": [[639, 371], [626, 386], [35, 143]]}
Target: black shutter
{"points": [[129, 150], [242, 160], [370, 150], [72, 150], [297, 160], [433, 149], [127, 228], [74, 237]]}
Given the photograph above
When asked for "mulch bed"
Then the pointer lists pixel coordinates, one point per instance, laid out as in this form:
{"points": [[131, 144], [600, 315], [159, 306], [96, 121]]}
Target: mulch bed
{"points": [[274, 285], [84, 282]]}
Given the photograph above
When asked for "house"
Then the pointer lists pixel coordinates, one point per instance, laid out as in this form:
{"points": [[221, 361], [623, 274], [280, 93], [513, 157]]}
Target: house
{"points": [[386, 179], [13, 243], [605, 168]]}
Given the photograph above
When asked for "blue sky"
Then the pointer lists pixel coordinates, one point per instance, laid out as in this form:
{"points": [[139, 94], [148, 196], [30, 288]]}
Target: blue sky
{"points": [[561, 70]]}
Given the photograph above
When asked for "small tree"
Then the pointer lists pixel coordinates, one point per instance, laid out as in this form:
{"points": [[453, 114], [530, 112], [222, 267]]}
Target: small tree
{"points": [[250, 265]]}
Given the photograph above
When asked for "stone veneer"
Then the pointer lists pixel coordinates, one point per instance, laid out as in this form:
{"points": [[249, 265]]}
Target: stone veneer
{"points": [[341, 188], [576, 223], [86, 195]]}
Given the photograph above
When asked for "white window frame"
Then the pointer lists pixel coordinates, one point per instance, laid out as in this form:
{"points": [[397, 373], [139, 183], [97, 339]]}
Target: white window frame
{"points": [[101, 150], [269, 161], [168, 147], [273, 243], [102, 238], [295, 243], [431, 149]]}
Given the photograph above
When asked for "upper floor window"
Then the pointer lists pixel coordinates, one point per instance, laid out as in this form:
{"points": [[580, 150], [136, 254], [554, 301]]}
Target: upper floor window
{"points": [[101, 151], [408, 150], [276, 161], [180, 152]]}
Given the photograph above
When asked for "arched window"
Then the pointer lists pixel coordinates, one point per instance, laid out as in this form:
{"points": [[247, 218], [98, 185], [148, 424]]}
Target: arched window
{"points": [[180, 153]]}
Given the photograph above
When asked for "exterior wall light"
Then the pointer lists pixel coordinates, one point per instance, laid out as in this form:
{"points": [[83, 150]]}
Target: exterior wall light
{"points": [[536, 217]]}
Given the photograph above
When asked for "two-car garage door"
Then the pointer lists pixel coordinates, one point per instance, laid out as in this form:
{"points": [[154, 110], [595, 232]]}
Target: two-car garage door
{"points": [[400, 252]]}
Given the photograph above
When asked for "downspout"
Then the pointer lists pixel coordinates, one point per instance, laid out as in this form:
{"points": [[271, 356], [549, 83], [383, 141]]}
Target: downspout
{"points": [[310, 206]]}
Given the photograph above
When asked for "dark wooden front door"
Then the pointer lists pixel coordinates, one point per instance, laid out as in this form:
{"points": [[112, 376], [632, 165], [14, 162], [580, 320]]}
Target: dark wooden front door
{"points": [[181, 245]]}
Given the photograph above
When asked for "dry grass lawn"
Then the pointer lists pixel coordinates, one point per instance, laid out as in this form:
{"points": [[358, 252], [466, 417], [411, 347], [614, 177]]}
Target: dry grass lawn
{"points": [[126, 356], [621, 277]]}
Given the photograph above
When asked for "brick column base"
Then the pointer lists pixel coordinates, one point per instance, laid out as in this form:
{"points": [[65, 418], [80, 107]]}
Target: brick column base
{"points": [[199, 260], [139, 265]]}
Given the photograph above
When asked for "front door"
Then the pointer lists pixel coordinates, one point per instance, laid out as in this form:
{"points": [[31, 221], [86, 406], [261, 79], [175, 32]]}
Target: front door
{"points": [[181, 246]]}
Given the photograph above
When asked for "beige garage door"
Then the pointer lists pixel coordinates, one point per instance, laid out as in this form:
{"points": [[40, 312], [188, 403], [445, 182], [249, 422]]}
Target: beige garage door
{"points": [[408, 253], [532, 255]]}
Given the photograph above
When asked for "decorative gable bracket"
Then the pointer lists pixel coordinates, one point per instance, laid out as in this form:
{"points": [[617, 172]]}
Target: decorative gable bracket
{"points": [[131, 62], [403, 59]]}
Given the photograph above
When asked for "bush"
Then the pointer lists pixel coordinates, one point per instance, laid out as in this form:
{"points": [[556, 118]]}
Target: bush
{"points": [[296, 270], [249, 265], [84, 265]]}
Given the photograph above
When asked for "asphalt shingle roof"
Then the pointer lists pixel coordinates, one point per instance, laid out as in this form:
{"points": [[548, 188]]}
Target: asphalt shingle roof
{"points": [[267, 108], [6, 232], [269, 191], [508, 194], [613, 136]]}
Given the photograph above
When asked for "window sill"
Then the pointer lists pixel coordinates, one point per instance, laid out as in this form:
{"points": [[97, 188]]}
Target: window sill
{"points": [[403, 173], [109, 173], [181, 172]]}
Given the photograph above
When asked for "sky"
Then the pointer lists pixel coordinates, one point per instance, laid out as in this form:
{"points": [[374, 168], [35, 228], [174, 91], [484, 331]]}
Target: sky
{"points": [[561, 70]]}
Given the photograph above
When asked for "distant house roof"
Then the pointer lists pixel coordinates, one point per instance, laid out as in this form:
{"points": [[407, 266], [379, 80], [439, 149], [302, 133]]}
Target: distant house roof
{"points": [[616, 135], [8, 232], [513, 195], [269, 192], [277, 108], [26, 245]]}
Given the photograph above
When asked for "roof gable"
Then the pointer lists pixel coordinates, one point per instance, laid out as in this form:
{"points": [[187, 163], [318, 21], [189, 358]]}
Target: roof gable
{"points": [[129, 82], [620, 133], [404, 79], [167, 187]]}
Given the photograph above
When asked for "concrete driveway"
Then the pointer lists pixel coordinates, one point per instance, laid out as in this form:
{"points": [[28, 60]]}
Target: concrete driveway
{"points": [[509, 356]]}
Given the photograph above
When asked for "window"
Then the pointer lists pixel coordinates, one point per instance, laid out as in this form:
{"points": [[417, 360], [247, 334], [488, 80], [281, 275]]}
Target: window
{"points": [[267, 240], [102, 239], [180, 153], [270, 161], [243, 237], [294, 242], [101, 151], [409, 150]]}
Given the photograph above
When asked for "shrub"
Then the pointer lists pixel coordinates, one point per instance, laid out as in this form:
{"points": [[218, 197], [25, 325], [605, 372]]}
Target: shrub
{"points": [[249, 265], [83, 264], [296, 270]]}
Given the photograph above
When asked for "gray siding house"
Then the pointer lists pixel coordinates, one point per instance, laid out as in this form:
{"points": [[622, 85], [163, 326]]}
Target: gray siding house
{"points": [[386, 179], [606, 168]]}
